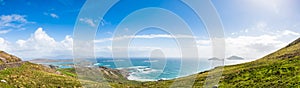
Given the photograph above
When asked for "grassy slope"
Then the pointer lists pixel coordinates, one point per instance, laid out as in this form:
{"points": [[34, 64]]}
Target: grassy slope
{"points": [[32, 75], [279, 69]]}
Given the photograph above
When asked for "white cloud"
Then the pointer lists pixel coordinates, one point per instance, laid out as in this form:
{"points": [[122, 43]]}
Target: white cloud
{"points": [[272, 5], [250, 46], [4, 31], [203, 42], [88, 21], [41, 45], [93, 22], [14, 21], [54, 15], [4, 45], [151, 36], [288, 32], [135, 51]]}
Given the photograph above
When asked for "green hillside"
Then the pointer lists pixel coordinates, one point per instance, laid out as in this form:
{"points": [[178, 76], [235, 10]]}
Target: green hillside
{"points": [[15, 73], [280, 69], [32, 75]]}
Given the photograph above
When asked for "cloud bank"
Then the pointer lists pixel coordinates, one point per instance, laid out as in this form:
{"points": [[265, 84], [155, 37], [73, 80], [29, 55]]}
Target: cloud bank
{"points": [[41, 45]]}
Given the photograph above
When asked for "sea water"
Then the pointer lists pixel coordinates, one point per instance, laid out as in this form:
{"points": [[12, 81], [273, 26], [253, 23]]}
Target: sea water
{"points": [[144, 69]]}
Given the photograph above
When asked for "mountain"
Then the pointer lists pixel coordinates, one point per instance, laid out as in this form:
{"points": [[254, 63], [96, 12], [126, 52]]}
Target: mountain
{"points": [[235, 58], [214, 58]]}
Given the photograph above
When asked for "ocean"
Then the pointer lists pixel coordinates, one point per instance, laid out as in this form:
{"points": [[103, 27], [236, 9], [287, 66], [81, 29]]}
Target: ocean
{"points": [[145, 69]]}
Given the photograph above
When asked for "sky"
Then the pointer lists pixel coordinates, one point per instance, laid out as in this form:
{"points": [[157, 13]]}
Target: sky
{"points": [[44, 29]]}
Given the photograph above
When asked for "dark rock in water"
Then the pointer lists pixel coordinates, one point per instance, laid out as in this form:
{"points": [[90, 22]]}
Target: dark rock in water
{"points": [[215, 86], [53, 67], [160, 80]]}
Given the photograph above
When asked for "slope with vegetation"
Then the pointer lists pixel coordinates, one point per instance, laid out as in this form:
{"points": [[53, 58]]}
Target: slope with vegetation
{"points": [[280, 69], [15, 73], [7, 58]]}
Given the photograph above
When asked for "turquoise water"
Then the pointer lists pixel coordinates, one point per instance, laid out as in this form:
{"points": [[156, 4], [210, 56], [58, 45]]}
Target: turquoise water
{"points": [[143, 69]]}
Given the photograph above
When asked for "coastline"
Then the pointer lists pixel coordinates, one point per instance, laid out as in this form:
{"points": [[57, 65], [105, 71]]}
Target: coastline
{"points": [[140, 72]]}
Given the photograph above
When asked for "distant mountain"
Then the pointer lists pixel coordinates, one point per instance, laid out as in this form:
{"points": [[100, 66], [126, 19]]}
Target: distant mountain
{"points": [[214, 58], [235, 58]]}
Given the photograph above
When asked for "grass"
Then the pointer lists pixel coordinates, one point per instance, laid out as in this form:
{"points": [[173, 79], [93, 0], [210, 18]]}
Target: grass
{"points": [[32, 75], [280, 69]]}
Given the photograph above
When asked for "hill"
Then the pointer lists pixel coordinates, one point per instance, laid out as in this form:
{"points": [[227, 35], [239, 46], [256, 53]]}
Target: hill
{"points": [[280, 69], [7, 58], [15, 73]]}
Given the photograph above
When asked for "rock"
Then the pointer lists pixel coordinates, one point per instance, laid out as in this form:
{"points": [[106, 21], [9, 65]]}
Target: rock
{"points": [[3, 81], [58, 72], [160, 80], [53, 66], [215, 86]]}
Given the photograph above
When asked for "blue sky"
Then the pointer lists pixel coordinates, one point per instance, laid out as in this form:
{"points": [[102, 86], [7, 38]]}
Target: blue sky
{"points": [[253, 28]]}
